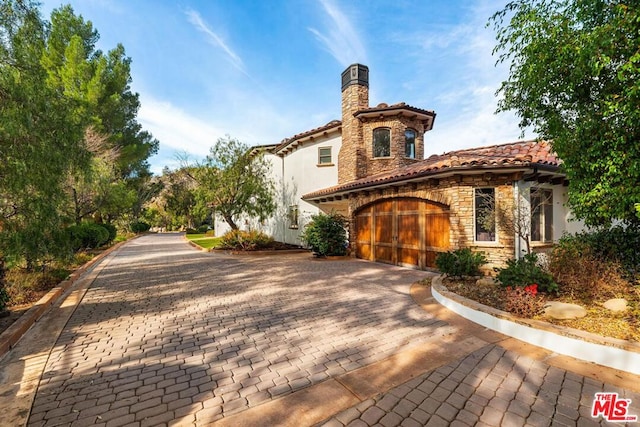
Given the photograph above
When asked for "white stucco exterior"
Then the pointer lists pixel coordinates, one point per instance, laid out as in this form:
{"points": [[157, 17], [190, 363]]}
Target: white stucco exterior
{"points": [[295, 171]]}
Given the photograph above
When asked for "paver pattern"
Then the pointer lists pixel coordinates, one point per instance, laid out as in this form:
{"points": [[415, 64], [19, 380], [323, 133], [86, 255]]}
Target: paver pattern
{"points": [[168, 333], [489, 387], [169, 336]]}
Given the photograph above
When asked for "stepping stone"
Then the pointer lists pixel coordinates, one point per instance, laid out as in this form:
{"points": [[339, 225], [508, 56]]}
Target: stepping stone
{"points": [[564, 311], [616, 304]]}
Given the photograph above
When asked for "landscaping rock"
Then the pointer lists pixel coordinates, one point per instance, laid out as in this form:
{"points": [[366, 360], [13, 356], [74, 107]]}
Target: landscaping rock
{"points": [[486, 281], [564, 311], [616, 304]]}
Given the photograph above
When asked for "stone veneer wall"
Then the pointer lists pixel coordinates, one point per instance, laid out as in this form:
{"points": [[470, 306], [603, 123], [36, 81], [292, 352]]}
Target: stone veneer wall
{"points": [[397, 159], [352, 162], [457, 192]]}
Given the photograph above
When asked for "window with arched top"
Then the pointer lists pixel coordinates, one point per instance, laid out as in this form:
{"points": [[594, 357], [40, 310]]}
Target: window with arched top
{"points": [[410, 143], [382, 142]]}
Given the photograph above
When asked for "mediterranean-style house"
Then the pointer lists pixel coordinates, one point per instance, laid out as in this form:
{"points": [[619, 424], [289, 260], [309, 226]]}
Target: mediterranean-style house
{"points": [[404, 209]]}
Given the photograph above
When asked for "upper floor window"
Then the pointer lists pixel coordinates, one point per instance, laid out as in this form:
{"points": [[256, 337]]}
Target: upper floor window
{"points": [[484, 210], [382, 142], [410, 143], [541, 200], [324, 156]]}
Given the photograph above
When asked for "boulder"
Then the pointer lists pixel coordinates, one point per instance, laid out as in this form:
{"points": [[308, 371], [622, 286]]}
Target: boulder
{"points": [[486, 281], [564, 311], [616, 304]]}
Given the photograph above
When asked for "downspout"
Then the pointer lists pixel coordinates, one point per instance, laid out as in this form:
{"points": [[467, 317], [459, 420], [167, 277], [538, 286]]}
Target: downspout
{"points": [[284, 200]]}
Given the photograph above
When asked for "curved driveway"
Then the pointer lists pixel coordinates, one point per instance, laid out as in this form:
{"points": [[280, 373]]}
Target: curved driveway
{"points": [[167, 335], [166, 332]]}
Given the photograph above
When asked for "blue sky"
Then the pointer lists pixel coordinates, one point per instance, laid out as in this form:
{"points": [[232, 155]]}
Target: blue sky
{"points": [[261, 71]]}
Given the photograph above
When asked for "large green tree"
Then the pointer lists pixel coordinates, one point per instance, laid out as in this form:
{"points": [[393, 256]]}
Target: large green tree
{"points": [[54, 87], [575, 78], [38, 140], [235, 180]]}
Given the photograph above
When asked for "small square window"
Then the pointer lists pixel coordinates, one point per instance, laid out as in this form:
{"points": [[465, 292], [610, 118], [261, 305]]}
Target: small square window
{"points": [[324, 156]]}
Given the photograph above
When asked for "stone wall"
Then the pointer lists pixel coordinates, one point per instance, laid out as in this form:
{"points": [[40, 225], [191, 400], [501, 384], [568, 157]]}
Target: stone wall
{"points": [[456, 192], [351, 159]]}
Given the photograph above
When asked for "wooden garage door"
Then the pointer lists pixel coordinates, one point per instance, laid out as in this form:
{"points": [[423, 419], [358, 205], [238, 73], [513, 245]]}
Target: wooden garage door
{"points": [[402, 231]]}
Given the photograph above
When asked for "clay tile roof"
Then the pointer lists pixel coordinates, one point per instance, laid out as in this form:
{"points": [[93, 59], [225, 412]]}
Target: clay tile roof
{"points": [[383, 107], [516, 154], [288, 141]]}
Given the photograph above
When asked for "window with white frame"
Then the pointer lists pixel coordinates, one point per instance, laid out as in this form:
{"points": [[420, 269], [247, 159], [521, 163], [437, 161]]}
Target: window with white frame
{"points": [[293, 216], [484, 212], [410, 143], [324, 156], [382, 142], [541, 200]]}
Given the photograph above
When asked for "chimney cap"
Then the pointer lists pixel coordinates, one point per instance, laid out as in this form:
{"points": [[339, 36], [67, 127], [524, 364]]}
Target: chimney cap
{"points": [[355, 74]]}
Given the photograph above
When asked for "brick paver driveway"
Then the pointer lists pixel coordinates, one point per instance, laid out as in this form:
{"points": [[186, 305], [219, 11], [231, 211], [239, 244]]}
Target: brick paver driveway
{"points": [[169, 333]]}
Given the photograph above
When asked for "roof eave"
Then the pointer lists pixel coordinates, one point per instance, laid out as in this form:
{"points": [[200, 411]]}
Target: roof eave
{"points": [[439, 174]]}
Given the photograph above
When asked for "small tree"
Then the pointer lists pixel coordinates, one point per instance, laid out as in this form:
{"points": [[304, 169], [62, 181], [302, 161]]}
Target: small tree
{"points": [[326, 234], [235, 181]]}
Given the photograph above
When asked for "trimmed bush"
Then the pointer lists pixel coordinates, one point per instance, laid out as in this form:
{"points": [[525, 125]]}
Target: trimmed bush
{"points": [[524, 272], [326, 234], [192, 231], [240, 240], [461, 262], [203, 229], [139, 227], [87, 236], [111, 229]]}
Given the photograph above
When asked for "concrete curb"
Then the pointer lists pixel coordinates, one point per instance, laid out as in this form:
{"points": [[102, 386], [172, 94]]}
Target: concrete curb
{"points": [[10, 337], [613, 353]]}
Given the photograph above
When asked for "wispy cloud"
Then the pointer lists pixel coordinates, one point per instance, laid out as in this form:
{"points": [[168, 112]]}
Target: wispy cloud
{"points": [[214, 39], [176, 129], [341, 40]]}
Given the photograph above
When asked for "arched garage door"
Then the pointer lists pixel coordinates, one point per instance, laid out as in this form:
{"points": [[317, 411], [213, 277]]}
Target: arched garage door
{"points": [[402, 231]]}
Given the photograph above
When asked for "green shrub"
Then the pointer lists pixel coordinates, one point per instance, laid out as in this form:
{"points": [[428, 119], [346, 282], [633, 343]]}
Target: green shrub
{"points": [[240, 240], [111, 229], [619, 244], [192, 231], [139, 227], [461, 262], [524, 272], [326, 234], [203, 229], [87, 236]]}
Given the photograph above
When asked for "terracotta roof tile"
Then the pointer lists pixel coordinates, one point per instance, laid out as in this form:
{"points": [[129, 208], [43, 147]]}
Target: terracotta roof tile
{"points": [[288, 141], [522, 153]]}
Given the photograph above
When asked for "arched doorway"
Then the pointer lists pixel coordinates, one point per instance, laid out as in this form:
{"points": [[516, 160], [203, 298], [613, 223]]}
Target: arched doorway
{"points": [[402, 231]]}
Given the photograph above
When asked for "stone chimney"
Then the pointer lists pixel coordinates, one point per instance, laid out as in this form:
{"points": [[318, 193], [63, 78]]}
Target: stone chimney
{"points": [[355, 96]]}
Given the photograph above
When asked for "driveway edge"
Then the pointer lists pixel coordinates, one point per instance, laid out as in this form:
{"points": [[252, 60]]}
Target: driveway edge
{"points": [[10, 337]]}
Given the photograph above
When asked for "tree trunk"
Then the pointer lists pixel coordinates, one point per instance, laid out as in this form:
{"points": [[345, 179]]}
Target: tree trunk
{"points": [[230, 221]]}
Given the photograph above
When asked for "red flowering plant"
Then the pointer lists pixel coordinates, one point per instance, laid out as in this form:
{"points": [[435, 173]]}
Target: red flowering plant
{"points": [[524, 301]]}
